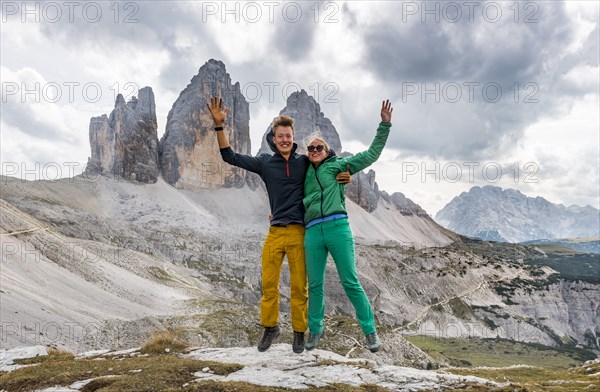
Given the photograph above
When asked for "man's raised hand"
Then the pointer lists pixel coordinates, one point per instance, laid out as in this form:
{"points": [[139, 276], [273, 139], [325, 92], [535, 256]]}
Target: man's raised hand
{"points": [[216, 110], [344, 178], [386, 111]]}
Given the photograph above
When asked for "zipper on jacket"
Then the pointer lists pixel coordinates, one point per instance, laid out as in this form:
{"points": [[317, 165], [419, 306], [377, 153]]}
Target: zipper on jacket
{"points": [[319, 182], [287, 167], [322, 191]]}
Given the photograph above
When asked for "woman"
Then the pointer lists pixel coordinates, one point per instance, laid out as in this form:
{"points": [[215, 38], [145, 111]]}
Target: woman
{"points": [[328, 230]]}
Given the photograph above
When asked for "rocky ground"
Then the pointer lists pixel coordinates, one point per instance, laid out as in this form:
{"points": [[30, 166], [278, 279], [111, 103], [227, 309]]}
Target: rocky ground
{"points": [[100, 263], [276, 368]]}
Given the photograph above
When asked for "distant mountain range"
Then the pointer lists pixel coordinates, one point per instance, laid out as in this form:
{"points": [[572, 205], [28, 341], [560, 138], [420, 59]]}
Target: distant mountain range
{"points": [[491, 213]]}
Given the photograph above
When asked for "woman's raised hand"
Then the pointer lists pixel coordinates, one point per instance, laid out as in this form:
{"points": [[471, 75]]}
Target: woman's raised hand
{"points": [[386, 111]]}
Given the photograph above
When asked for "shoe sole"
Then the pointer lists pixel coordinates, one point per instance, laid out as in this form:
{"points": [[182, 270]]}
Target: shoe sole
{"points": [[269, 346], [374, 350]]}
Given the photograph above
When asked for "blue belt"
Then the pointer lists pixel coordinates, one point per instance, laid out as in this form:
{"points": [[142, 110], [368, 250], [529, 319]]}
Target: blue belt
{"points": [[327, 218]]}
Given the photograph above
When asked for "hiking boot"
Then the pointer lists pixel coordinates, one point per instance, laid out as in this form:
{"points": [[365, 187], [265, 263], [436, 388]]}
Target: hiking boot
{"points": [[373, 342], [298, 344], [313, 340], [267, 338]]}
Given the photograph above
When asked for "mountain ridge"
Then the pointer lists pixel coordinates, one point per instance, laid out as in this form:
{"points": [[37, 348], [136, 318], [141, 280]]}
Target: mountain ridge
{"points": [[507, 215]]}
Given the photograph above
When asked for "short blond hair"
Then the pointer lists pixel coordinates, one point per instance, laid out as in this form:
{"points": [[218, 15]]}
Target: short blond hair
{"points": [[284, 121]]}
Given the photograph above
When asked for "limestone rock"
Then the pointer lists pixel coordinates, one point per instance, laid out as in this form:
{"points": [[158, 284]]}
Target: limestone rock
{"points": [[405, 205], [189, 153], [126, 144], [363, 190], [308, 119]]}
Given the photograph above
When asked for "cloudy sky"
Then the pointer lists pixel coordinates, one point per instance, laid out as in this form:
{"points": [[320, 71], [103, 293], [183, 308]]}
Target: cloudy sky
{"points": [[484, 92]]}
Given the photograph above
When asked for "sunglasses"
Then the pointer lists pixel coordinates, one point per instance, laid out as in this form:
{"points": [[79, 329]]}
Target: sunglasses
{"points": [[319, 148]]}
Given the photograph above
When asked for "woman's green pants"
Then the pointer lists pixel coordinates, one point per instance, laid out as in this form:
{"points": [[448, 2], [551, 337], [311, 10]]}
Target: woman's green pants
{"points": [[336, 238]]}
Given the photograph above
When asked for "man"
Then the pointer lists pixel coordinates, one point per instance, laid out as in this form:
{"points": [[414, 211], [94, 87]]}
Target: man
{"points": [[283, 174]]}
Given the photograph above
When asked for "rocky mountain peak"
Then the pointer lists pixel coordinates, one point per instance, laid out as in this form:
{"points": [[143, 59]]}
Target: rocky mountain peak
{"points": [[125, 144], [364, 191], [308, 119], [120, 101], [189, 153], [492, 213]]}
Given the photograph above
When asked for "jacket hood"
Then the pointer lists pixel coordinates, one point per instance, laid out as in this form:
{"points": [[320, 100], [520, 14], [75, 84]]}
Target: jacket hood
{"points": [[273, 147], [330, 155]]}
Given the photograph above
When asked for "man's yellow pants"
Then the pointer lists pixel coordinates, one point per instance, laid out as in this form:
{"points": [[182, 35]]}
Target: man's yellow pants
{"points": [[282, 241]]}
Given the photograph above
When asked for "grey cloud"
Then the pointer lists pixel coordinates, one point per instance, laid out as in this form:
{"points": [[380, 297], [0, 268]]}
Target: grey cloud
{"points": [[154, 25], [293, 39], [21, 116], [396, 53], [510, 54], [182, 67], [409, 54], [350, 17], [157, 24]]}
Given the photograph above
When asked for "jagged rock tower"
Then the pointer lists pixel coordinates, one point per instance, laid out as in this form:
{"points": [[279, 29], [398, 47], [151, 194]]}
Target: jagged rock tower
{"points": [[189, 154], [308, 119], [126, 144]]}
